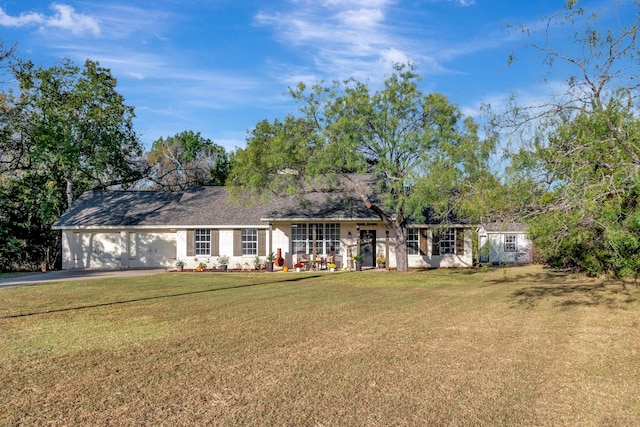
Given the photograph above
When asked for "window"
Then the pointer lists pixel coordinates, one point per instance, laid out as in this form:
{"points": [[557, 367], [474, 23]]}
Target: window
{"points": [[299, 238], [319, 228], [325, 236], [332, 242], [202, 242], [510, 243], [249, 241], [413, 247], [444, 242]]}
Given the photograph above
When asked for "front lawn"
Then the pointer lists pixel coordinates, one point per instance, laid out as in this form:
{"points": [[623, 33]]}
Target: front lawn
{"points": [[521, 346]]}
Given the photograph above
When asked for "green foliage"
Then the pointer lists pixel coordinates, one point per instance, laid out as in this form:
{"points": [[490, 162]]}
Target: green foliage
{"points": [[416, 146], [64, 131], [187, 160], [78, 124], [577, 174]]}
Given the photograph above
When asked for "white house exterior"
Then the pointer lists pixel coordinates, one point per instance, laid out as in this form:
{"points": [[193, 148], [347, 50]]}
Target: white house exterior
{"points": [[504, 243], [146, 229]]}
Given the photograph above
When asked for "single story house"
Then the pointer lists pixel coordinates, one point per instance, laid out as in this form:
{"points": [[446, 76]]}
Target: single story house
{"points": [[142, 229], [504, 243]]}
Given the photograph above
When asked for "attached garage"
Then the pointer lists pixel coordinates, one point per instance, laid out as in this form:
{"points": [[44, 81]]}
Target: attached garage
{"points": [[118, 230], [95, 249], [116, 250], [151, 249]]}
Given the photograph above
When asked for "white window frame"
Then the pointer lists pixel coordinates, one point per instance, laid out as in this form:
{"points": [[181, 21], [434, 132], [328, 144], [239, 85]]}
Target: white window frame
{"points": [[327, 238], [510, 243], [202, 242], [249, 241], [413, 241]]}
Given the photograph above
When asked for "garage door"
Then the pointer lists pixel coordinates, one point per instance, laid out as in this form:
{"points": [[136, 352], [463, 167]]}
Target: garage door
{"points": [[152, 249], [97, 250]]}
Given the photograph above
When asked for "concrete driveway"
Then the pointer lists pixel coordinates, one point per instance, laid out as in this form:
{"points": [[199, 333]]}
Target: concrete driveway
{"points": [[66, 275]]}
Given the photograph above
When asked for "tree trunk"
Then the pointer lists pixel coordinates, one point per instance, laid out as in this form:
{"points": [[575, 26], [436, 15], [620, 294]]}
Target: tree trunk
{"points": [[402, 261], [69, 190]]}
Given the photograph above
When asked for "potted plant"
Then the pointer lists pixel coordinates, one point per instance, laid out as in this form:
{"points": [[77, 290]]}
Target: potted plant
{"points": [[202, 266], [257, 262], [298, 266], [381, 261], [223, 261], [332, 266], [179, 265], [270, 259], [358, 261]]}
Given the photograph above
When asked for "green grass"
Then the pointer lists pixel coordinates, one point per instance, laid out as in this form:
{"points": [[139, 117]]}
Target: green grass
{"points": [[520, 346]]}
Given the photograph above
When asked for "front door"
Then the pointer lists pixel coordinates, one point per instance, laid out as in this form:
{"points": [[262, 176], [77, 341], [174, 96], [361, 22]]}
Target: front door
{"points": [[368, 247]]}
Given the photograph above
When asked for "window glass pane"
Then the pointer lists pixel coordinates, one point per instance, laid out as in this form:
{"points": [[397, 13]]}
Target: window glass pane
{"points": [[249, 241], [412, 242], [327, 238], [320, 242], [202, 242], [448, 241], [332, 242], [299, 238], [510, 243]]}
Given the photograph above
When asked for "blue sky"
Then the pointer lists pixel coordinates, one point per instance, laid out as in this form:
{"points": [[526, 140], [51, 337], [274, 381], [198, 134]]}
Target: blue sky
{"points": [[220, 66]]}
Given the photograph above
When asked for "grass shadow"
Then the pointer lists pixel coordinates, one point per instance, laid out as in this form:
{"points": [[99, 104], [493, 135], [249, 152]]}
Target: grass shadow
{"points": [[156, 297], [570, 294]]}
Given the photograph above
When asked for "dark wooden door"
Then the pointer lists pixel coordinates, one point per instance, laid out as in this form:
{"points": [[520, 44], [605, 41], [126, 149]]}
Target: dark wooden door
{"points": [[368, 247]]}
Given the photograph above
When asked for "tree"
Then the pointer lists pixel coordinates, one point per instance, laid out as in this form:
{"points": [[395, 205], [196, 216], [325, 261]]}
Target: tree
{"points": [[64, 131], [187, 160], [414, 145], [578, 172], [76, 122]]}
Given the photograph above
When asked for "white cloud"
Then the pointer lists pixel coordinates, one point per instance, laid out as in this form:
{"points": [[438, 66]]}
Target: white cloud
{"points": [[465, 2], [340, 38], [361, 18], [24, 19], [65, 17]]}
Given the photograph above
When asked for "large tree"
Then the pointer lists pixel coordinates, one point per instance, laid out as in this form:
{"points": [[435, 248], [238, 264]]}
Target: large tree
{"points": [[64, 130], [418, 148], [186, 160], [576, 170], [76, 122]]}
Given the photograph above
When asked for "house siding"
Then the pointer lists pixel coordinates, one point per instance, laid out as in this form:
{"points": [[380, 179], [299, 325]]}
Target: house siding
{"points": [[492, 247], [156, 229]]}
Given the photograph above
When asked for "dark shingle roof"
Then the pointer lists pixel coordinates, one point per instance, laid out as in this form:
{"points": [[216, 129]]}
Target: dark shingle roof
{"points": [[204, 206], [119, 208]]}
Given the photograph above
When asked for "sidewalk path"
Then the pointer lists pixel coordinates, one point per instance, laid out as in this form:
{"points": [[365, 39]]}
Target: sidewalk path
{"points": [[66, 275]]}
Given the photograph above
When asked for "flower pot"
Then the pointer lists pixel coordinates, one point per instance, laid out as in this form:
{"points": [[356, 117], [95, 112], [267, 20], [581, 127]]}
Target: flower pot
{"points": [[223, 267], [382, 265], [358, 266], [269, 266], [298, 269], [180, 268], [332, 269]]}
